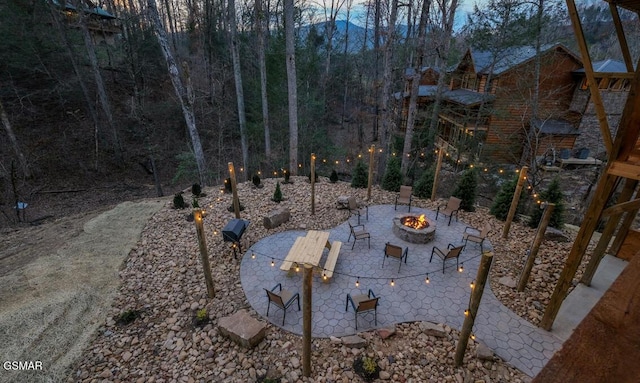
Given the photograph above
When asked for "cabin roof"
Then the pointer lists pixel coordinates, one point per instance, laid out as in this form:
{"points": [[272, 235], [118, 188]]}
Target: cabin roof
{"points": [[88, 7], [557, 127], [632, 5], [510, 58], [608, 66]]}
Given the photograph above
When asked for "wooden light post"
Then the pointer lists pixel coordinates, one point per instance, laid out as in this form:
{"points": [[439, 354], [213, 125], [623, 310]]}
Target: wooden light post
{"points": [[236, 202], [437, 172], [372, 151], [204, 256], [474, 304], [514, 202], [306, 319], [537, 241], [313, 183]]}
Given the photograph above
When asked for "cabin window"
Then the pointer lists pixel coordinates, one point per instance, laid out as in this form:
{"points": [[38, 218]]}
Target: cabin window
{"points": [[469, 81]]}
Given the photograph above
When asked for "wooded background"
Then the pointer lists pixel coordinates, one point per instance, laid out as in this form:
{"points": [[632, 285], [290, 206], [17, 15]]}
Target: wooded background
{"points": [[183, 87]]}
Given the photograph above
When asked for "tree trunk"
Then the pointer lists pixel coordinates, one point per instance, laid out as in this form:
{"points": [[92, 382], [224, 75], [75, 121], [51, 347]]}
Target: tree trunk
{"points": [[187, 108], [344, 64], [415, 85], [263, 78], [386, 79], [291, 87], [14, 141], [102, 93], [237, 75]]}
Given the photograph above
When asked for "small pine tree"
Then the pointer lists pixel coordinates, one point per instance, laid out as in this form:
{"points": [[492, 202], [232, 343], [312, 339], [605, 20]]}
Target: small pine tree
{"points": [[178, 201], [553, 194], [256, 180], [287, 175], [502, 203], [392, 178], [196, 189], [195, 204], [424, 185], [360, 177], [466, 189], [277, 195], [333, 177], [227, 185]]}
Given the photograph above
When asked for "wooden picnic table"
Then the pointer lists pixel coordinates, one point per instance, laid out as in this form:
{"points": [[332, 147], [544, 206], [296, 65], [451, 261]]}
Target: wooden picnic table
{"points": [[307, 249]]}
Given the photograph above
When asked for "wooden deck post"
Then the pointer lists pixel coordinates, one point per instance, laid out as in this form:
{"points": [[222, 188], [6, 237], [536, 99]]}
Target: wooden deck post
{"points": [[474, 304], [533, 252], [514, 201], [436, 175], [204, 255], [313, 183], [607, 233], [306, 319], [234, 190], [372, 151]]}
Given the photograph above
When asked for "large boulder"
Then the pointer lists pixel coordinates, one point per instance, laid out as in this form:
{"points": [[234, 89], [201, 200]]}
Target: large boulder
{"points": [[242, 329], [276, 218]]}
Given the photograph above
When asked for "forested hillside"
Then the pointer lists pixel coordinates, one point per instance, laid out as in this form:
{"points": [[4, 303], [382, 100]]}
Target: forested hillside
{"points": [[94, 97]]}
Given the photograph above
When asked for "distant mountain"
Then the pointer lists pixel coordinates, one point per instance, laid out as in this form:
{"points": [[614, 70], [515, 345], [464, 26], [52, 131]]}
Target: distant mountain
{"points": [[356, 36]]}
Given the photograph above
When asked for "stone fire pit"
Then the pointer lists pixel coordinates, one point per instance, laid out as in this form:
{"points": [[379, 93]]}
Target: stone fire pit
{"points": [[413, 235]]}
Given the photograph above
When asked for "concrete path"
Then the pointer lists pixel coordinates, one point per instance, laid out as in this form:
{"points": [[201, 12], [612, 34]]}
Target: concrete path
{"points": [[443, 300]]}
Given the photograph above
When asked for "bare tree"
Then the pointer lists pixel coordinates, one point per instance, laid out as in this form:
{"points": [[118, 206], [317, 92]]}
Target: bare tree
{"points": [[259, 24], [237, 75], [385, 93], [291, 86], [415, 85], [14, 141], [182, 94]]}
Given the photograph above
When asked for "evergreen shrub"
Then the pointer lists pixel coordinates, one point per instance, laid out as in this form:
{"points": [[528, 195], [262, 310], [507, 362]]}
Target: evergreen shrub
{"points": [[392, 179], [553, 194], [424, 185], [466, 189], [359, 178]]}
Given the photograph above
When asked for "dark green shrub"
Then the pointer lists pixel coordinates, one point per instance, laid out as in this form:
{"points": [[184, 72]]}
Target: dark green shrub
{"points": [[424, 185], [277, 195], [256, 181], [194, 203], [196, 189], [392, 178], [367, 368], [127, 317], [287, 175], [553, 194], [333, 177], [502, 203], [178, 201], [227, 185], [466, 189], [360, 177]]}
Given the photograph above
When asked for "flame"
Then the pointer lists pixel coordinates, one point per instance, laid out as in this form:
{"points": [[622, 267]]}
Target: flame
{"points": [[415, 222]]}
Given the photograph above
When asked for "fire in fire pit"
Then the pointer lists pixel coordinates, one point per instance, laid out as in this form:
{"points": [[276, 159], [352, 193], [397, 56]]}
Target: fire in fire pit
{"points": [[414, 222], [414, 229]]}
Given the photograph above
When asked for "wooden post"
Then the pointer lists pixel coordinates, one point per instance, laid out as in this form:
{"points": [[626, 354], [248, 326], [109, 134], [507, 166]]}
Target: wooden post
{"points": [[204, 255], [607, 233], [372, 151], [533, 252], [236, 202], [514, 202], [474, 304], [437, 173], [306, 319], [313, 183], [623, 231]]}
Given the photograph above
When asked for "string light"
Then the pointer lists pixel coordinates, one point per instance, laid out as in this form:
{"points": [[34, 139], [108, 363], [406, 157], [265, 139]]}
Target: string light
{"points": [[426, 280], [324, 276], [358, 282], [273, 263], [297, 267], [472, 284], [472, 336], [466, 312], [253, 255], [461, 268], [393, 283]]}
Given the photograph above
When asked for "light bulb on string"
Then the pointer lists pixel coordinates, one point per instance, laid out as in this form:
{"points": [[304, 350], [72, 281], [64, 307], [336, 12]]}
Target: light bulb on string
{"points": [[273, 263], [358, 282], [297, 268], [253, 255], [324, 276], [472, 284], [461, 268], [393, 283], [426, 280], [466, 313]]}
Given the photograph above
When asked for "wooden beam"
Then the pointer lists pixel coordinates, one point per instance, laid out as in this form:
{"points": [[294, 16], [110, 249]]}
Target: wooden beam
{"points": [[629, 126], [624, 169], [624, 230], [623, 75], [624, 47], [514, 202], [607, 233], [622, 207], [588, 69]]}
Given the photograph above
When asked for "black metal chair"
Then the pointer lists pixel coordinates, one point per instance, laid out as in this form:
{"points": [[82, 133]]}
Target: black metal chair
{"points": [[282, 300], [362, 303], [358, 232], [451, 209], [395, 251], [452, 252]]}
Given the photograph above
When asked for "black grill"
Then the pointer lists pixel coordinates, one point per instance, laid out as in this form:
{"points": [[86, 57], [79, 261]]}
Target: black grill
{"points": [[233, 230]]}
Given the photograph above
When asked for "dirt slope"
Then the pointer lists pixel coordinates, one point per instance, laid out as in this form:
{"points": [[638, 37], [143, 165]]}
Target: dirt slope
{"points": [[56, 283]]}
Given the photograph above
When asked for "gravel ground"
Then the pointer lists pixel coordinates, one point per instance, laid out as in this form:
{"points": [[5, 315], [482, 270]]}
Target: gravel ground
{"points": [[162, 283]]}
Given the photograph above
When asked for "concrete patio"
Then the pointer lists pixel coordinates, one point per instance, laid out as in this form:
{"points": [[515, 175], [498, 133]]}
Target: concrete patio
{"points": [[443, 300]]}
